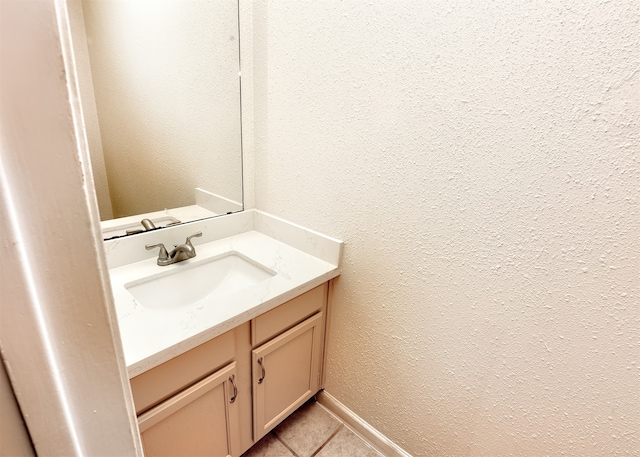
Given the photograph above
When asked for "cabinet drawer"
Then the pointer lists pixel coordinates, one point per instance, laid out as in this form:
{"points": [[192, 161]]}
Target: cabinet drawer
{"points": [[285, 316], [163, 381]]}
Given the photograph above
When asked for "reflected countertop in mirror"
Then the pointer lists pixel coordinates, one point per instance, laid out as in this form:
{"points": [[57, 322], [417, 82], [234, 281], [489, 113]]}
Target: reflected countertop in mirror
{"points": [[160, 91]]}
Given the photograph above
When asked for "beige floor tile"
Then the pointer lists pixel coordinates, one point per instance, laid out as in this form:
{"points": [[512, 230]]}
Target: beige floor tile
{"points": [[347, 444], [307, 429], [269, 446]]}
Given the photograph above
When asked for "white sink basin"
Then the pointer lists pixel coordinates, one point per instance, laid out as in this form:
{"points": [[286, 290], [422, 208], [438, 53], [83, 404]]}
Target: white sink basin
{"points": [[195, 283]]}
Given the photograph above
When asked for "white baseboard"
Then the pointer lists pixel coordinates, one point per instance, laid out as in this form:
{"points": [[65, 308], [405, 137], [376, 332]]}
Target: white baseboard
{"points": [[376, 439]]}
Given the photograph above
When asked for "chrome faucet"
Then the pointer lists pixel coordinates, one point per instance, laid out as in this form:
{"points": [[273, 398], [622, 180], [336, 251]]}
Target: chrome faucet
{"points": [[178, 254]]}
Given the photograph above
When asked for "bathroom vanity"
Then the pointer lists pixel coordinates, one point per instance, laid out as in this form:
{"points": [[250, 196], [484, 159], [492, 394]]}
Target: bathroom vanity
{"points": [[220, 397], [220, 347], [216, 373]]}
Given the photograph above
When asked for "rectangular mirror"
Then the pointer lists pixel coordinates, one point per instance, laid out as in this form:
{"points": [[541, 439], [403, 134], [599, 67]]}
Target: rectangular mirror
{"points": [[160, 90]]}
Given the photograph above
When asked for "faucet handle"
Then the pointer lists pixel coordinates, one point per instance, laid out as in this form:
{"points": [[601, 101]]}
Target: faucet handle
{"points": [[192, 236], [162, 255]]}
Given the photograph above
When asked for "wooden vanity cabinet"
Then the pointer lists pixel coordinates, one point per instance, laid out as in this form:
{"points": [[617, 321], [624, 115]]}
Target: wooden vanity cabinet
{"points": [[201, 420], [198, 403], [221, 397], [286, 373], [287, 358]]}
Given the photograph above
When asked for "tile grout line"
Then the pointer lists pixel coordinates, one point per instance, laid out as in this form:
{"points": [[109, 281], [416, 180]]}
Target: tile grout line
{"points": [[285, 444], [327, 441], [352, 430]]}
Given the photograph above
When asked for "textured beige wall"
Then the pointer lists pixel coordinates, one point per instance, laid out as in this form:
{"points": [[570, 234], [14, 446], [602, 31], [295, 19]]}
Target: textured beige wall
{"points": [[481, 161], [165, 75]]}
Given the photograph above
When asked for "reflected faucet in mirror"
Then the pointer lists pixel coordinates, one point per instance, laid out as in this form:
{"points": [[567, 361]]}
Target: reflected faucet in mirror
{"points": [[147, 224], [178, 254]]}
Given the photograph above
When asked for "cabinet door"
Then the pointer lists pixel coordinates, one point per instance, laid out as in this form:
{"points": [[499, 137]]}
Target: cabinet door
{"points": [[202, 420], [286, 373]]}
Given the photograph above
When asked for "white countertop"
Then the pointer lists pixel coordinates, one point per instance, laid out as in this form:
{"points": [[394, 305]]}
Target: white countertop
{"points": [[151, 337]]}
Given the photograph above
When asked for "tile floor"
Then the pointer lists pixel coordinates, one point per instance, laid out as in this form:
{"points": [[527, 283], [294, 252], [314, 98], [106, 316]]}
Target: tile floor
{"points": [[311, 431]]}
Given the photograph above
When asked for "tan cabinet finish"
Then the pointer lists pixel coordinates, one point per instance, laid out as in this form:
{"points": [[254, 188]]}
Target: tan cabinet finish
{"points": [[216, 399], [286, 373], [159, 383], [285, 316], [202, 420]]}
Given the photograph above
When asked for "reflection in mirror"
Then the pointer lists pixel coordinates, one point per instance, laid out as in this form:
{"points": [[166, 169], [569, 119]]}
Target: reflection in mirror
{"points": [[160, 91]]}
